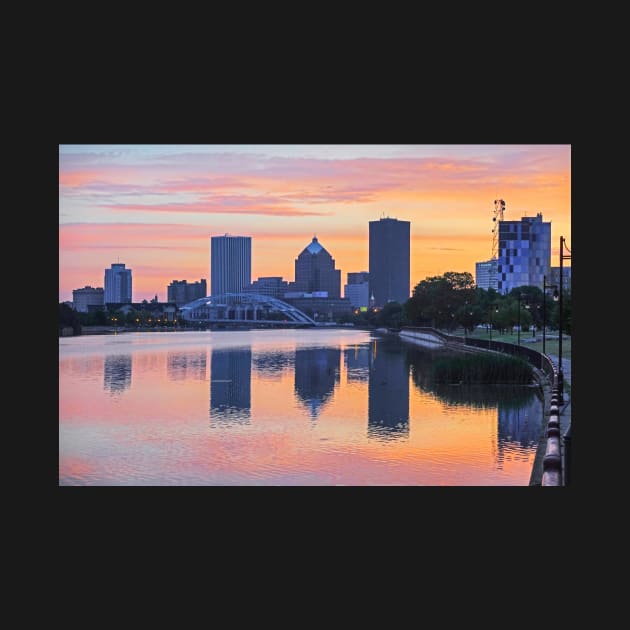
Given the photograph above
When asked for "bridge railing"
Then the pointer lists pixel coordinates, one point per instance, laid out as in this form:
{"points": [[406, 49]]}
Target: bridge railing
{"points": [[552, 461]]}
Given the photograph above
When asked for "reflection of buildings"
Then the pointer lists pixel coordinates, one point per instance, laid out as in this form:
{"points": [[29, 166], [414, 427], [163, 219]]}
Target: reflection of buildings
{"points": [[519, 429], [357, 362], [316, 372], [186, 365], [117, 373], [272, 364], [388, 393], [230, 385]]}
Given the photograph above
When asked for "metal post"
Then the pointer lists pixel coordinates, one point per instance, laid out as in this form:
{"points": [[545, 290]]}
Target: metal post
{"points": [[560, 373], [544, 310], [567, 457], [519, 318]]}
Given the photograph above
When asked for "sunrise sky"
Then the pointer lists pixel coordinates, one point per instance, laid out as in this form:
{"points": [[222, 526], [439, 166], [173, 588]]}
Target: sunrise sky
{"points": [[154, 207]]}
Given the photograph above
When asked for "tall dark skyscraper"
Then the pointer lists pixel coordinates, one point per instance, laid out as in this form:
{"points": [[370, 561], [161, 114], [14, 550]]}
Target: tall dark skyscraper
{"points": [[389, 261], [315, 271], [230, 263]]}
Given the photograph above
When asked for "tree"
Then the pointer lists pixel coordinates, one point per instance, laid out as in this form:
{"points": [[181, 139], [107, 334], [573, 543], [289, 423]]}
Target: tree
{"points": [[437, 299], [68, 317], [392, 315]]}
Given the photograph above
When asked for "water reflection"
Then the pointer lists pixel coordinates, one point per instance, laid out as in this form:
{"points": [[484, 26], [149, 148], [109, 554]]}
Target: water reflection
{"points": [[519, 429], [316, 372], [357, 363], [181, 366], [388, 392], [272, 364], [519, 408], [117, 373], [230, 386]]}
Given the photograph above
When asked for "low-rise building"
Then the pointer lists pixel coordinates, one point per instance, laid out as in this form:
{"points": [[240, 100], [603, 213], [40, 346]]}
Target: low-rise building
{"points": [[88, 297]]}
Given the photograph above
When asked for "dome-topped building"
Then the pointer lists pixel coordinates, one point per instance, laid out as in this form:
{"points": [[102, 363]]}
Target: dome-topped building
{"points": [[315, 271]]}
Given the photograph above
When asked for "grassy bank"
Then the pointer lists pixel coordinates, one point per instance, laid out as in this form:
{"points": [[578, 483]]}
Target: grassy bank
{"points": [[551, 345], [482, 368]]}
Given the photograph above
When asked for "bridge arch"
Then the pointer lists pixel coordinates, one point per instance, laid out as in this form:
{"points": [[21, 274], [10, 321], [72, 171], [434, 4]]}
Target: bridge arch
{"points": [[243, 307]]}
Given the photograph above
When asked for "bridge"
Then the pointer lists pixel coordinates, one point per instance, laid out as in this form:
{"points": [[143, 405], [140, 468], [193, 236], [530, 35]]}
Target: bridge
{"points": [[244, 308]]}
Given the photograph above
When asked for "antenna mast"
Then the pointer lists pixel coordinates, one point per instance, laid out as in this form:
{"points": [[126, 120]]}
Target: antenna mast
{"points": [[499, 209]]}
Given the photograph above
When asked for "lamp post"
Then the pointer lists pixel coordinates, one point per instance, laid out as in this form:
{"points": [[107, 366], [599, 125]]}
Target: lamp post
{"points": [[563, 256], [495, 308], [518, 297], [555, 299]]}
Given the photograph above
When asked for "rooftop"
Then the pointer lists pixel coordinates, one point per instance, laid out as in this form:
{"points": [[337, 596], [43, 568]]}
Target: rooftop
{"points": [[314, 247]]}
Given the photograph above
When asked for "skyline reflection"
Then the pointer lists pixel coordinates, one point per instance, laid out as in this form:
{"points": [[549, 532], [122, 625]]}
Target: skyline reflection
{"points": [[117, 373], [184, 365], [230, 385], [316, 372], [388, 392]]}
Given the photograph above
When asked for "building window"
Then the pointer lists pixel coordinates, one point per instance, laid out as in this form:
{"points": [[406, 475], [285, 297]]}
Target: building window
{"points": [[534, 238], [511, 268], [500, 268]]}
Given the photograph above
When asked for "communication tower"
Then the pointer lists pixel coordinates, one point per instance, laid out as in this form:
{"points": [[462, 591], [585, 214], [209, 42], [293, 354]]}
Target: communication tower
{"points": [[499, 209]]}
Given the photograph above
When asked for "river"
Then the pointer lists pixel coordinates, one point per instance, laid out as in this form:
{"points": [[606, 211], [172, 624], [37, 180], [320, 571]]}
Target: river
{"points": [[281, 407]]}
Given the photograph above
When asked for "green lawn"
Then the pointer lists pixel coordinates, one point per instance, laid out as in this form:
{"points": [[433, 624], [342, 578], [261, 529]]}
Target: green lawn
{"points": [[551, 345]]}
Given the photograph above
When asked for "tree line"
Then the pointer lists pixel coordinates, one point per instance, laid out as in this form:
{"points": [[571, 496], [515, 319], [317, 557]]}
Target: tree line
{"points": [[453, 301]]}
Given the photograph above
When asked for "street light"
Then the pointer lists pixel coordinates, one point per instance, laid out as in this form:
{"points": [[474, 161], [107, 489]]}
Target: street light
{"points": [[560, 372], [496, 310], [555, 299], [518, 297]]}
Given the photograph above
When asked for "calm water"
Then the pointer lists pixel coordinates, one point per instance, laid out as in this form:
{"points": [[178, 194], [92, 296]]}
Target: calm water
{"points": [[287, 407]]}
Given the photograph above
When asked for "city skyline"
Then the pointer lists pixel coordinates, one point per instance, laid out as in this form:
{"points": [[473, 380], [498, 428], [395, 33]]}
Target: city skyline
{"points": [[154, 207]]}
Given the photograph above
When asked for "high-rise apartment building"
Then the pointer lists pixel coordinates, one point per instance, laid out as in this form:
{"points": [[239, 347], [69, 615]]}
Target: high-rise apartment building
{"points": [[315, 271], [118, 284], [524, 253], [230, 263], [554, 278], [389, 261], [181, 292]]}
